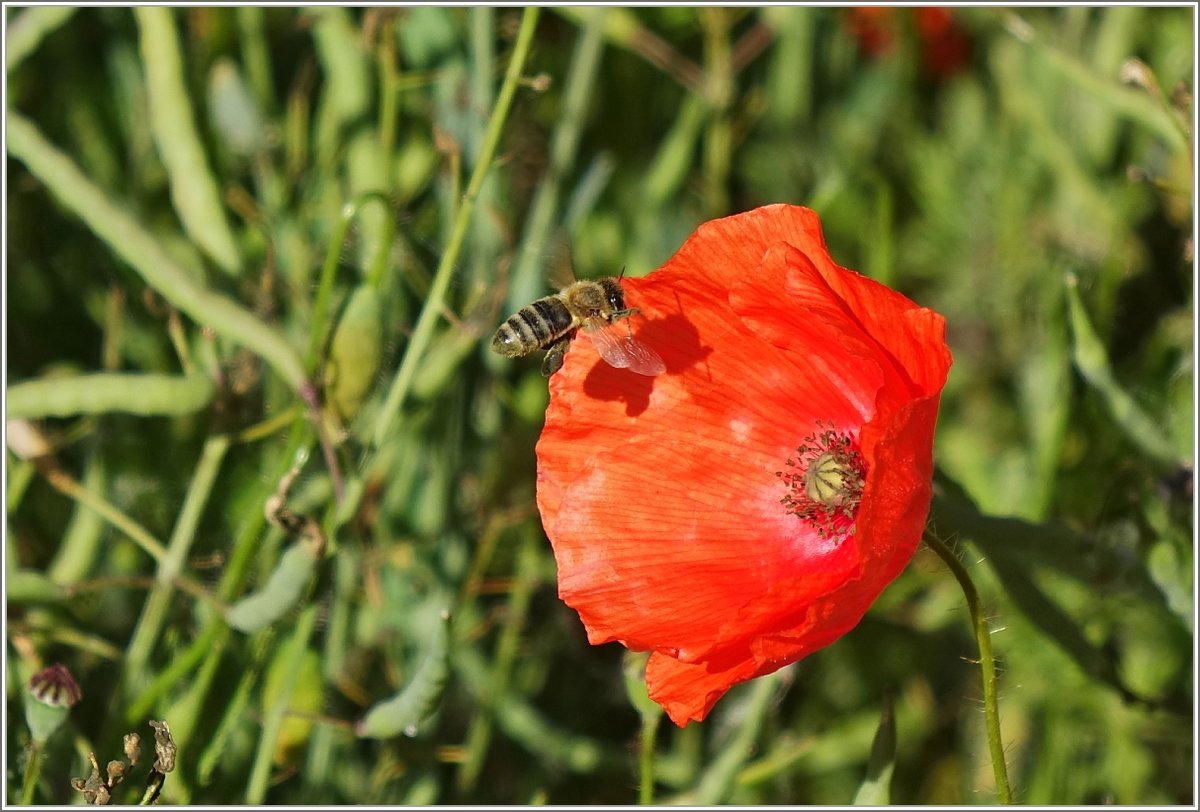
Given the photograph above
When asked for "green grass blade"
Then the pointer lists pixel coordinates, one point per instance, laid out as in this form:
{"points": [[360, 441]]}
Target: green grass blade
{"points": [[130, 241], [1091, 360], [431, 311], [718, 777], [277, 705]]}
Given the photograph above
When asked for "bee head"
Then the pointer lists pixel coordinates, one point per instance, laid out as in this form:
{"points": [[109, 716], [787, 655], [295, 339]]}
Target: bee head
{"points": [[614, 294]]}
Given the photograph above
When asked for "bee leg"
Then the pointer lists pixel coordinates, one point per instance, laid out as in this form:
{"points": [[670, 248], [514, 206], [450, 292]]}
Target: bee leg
{"points": [[626, 314], [554, 356]]}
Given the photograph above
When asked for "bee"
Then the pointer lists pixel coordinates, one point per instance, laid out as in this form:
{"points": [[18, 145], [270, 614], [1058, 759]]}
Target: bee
{"points": [[596, 307]]}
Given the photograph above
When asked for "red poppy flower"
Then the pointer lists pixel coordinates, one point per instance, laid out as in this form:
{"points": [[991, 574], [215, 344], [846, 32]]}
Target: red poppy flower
{"points": [[945, 47], [746, 507]]}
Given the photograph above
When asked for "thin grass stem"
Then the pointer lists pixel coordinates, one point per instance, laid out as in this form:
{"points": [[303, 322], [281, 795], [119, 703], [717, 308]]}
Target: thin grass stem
{"points": [[171, 564]]}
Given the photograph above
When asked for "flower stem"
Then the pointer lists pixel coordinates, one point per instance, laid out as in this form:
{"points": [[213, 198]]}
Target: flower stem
{"points": [[987, 664], [33, 771], [646, 759]]}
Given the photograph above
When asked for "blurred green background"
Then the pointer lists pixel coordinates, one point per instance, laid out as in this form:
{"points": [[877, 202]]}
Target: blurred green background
{"points": [[222, 204]]}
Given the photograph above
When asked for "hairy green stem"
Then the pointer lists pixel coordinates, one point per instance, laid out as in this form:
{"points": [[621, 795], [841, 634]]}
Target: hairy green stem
{"points": [[646, 758], [987, 664], [435, 301]]}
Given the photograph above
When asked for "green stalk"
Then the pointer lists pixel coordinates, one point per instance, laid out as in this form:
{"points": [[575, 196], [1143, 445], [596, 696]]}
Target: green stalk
{"points": [[171, 564], [388, 90], [321, 303], [484, 239], [209, 645], [719, 774], [435, 301], [987, 664], [480, 733], [20, 474], [202, 646], [256, 788], [68, 486], [718, 144], [324, 295], [33, 771], [646, 758], [27, 30]]}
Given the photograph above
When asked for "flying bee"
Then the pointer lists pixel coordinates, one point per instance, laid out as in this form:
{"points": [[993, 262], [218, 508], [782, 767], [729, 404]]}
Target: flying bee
{"points": [[596, 307]]}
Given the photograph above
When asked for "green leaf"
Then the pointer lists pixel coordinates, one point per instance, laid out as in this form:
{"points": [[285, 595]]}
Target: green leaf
{"points": [[875, 789]]}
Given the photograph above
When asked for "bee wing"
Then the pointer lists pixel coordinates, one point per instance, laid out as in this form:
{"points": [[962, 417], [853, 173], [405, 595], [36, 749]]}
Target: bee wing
{"points": [[562, 261], [620, 349]]}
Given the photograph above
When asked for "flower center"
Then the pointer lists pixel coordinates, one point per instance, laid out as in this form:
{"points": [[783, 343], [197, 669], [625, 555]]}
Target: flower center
{"points": [[826, 485]]}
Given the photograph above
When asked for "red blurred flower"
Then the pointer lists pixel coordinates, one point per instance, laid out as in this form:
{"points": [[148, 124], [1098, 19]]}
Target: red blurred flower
{"points": [[873, 27], [945, 47], [745, 508]]}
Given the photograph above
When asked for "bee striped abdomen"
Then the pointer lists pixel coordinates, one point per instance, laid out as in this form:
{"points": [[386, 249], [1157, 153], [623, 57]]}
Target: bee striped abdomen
{"points": [[533, 327]]}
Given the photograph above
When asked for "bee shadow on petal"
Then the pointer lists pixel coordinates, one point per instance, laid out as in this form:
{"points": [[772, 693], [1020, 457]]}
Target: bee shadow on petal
{"points": [[673, 337]]}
